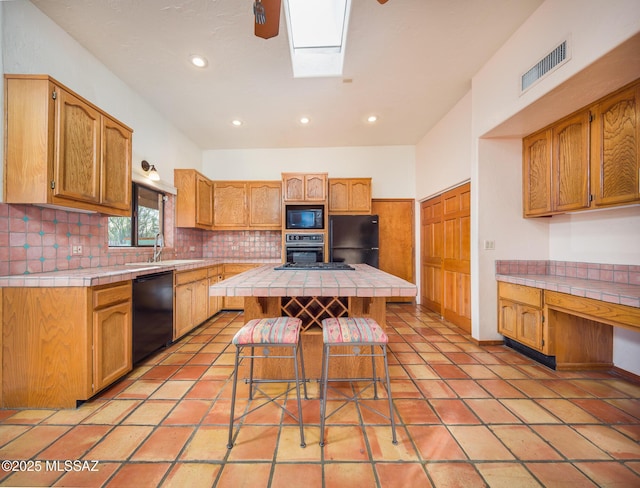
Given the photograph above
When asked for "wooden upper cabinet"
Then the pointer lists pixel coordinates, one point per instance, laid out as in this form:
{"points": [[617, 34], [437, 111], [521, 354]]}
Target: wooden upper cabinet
{"points": [[536, 174], [230, 204], [350, 195], [62, 150], [265, 204], [570, 163], [304, 187], [194, 202], [616, 148]]}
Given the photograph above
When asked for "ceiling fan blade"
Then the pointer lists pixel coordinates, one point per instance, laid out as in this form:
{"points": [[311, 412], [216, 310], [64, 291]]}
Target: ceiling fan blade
{"points": [[271, 26]]}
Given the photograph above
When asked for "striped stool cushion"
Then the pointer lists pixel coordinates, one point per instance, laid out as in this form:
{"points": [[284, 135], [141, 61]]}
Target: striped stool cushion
{"points": [[276, 330], [352, 330]]}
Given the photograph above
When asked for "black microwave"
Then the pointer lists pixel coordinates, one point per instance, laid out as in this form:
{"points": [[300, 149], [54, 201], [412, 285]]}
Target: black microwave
{"points": [[304, 217]]}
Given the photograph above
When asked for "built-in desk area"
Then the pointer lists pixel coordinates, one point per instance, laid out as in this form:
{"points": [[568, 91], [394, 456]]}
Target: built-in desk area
{"points": [[563, 313]]}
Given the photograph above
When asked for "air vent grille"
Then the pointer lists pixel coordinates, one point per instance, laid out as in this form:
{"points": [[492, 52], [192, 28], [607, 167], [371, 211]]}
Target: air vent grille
{"points": [[552, 60]]}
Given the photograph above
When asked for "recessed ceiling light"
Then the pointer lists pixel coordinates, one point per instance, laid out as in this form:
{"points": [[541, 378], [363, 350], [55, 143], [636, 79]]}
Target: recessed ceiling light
{"points": [[304, 120], [371, 119], [198, 61], [237, 122]]}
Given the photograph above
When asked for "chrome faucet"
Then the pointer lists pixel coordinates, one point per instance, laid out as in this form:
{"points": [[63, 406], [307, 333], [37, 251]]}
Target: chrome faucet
{"points": [[158, 245]]}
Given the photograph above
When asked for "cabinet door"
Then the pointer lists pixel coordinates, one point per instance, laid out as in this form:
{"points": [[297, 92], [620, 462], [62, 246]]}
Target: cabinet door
{"points": [[616, 149], [183, 321], [360, 196], [338, 195], [116, 165], [76, 161], [507, 318], [536, 174], [111, 344], [529, 326], [200, 304], [204, 201], [265, 204], [432, 238], [315, 187], [230, 204], [293, 187], [571, 163]]}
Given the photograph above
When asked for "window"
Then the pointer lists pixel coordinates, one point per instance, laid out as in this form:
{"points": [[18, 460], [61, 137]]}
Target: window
{"points": [[146, 222]]}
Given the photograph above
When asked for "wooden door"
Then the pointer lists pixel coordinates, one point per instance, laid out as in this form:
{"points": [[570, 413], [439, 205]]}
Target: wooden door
{"points": [[432, 253], [230, 204], [616, 148], [111, 344], [536, 174], [265, 204], [116, 165], [456, 269], [570, 163], [77, 166], [397, 238]]}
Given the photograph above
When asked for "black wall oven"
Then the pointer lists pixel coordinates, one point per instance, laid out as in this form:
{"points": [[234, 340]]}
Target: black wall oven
{"points": [[304, 248]]}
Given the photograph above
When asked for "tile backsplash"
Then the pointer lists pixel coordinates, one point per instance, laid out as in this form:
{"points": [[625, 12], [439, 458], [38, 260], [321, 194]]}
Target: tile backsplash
{"points": [[36, 239], [615, 273]]}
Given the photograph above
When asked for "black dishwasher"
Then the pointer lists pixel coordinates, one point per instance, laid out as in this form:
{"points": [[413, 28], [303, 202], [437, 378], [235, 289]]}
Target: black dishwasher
{"points": [[152, 313]]}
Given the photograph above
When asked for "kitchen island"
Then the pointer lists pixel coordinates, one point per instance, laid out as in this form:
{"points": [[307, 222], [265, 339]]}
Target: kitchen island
{"points": [[312, 295]]}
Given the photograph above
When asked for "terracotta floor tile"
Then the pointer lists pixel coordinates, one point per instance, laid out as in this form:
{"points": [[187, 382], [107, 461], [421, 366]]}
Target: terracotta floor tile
{"points": [[310, 412], [161, 372], [421, 372], [113, 412], [468, 389], [491, 411], [507, 372], [32, 441], [567, 411], [238, 476], [88, 478], [534, 389], [255, 443], [500, 389], [164, 444], [217, 373], [73, 416], [506, 475], [193, 475], [529, 411], [423, 347], [30, 417], [341, 475], [10, 432], [76, 442], [609, 474], [205, 389], [404, 475], [208, 443], [188, 412], [568, 442], [138, 474], [631, 431], [601, 388], [566, 389], [454, 475], [461, 358], [435, 443], [405, 389], [190, 372], [114, 390], [435, 389], [382, 447], [119, 443], [178, 358], [289, 448], [478, 371], [449, 371], [339, 413], [628, 405], [44, 477], [453, 411], [604, 411], [172, 390], [524, 443], [141, 389], [151, 412], [480, 443], [610, 440], [400, 347], [414, 412], [631, 389], [299, 475], [537, 371], [344, 443], [560, 475]]}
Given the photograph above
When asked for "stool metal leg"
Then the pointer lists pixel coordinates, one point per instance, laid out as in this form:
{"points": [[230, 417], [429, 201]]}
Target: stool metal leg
{"points": [[304, 375], [375, 376], [388, 381], [323, 388], [233, 398], [295, 369], [251, 373]]}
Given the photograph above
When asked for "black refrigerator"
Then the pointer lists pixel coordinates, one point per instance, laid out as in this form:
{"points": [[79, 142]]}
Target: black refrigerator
{"points": [[353, 239]]}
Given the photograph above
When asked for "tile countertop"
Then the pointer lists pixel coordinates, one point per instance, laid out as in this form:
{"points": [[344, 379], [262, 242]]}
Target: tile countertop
{"points": [[112, 274], [606, 291], [265, 281]]}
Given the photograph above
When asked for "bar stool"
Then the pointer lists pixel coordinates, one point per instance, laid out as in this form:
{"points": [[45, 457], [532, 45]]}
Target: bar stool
{"points": [[356, 332], [265, 333]]}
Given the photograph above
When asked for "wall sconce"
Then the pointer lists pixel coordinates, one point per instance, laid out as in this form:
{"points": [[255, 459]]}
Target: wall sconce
{"points": [[150, 169]]}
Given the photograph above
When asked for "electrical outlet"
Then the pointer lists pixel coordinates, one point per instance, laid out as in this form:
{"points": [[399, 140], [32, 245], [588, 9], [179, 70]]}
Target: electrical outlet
{"points": [[192, 248], [75, 250], [489, 245]]}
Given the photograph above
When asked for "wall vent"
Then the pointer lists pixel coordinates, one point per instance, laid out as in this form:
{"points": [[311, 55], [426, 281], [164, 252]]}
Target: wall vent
{"points": [[545, 66]]}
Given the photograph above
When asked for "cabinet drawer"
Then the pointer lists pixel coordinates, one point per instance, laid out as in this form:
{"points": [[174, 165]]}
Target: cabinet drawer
{"points": [[237, 268], [521, 294], [111, 294], [213, 270], [189, 276]]}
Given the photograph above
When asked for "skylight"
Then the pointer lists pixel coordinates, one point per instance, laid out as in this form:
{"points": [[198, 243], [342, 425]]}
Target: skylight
{"points": [[317, 36]]}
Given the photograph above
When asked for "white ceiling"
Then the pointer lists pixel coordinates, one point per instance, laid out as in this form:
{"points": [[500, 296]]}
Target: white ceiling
{"points": [[409, 61]]}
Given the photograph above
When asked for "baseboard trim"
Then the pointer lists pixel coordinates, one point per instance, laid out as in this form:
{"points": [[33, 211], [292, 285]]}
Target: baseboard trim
{"points": [[627, 375]]}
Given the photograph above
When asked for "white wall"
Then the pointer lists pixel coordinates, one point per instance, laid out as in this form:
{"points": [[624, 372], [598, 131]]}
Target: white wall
{"points": [[33, 44], [392, 168], [594, 28]]}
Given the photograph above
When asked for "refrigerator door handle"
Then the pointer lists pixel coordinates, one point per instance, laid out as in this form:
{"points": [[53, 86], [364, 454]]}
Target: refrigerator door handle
{"points": [[376, 248]]}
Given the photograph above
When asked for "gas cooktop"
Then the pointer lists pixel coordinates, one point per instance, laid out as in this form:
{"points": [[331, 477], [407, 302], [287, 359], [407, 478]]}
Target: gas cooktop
{"points": [[316, 266]]}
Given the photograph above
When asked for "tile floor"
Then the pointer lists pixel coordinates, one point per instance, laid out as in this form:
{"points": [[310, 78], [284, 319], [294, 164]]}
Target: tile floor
{"points": [[468, 416]]}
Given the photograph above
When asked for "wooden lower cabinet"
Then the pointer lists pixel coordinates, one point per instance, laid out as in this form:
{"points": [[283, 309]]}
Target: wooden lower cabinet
{"points": [[191, 295], [229, 270], [62, 345], [214, 274], [520, 316]]}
